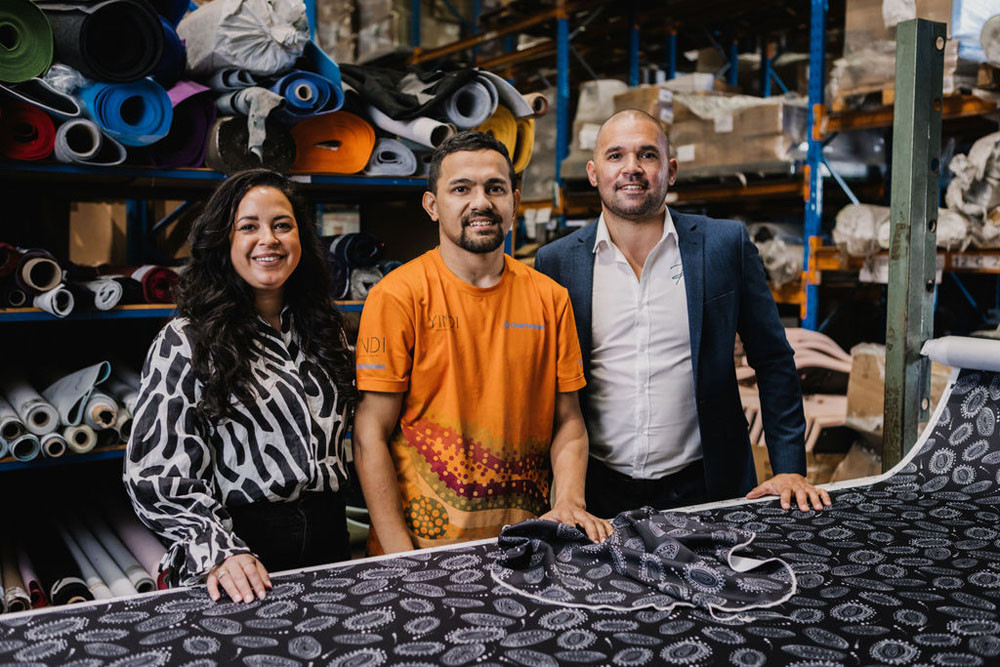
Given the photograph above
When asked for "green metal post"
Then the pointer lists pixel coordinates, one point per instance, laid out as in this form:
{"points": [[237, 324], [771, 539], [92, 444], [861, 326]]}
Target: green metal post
{"points": [[916, 155]]}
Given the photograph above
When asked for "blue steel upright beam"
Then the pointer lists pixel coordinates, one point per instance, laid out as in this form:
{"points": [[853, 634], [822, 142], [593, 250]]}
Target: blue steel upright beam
{"points": [[311, 17], [633, 48], [733, 75], [415, 23], [671, 54], [765, 68], [814, 206], [562, 94]]}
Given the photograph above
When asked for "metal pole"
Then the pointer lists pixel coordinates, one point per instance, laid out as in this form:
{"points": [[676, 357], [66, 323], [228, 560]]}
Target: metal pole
{"points": [[633, 49], [814, 158], [562, 95], [916, 155], [733, 75], [671, 54], [765, 69], [415, 23]]}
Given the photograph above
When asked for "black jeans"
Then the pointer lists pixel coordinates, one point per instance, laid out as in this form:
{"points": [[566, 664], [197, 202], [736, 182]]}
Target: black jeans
{"points": [[610, 493], [309, 531]]}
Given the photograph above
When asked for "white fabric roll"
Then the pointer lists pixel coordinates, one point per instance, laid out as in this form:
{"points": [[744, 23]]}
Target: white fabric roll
{"points": [[25, 447], [391, 158], [37, 415], [53, 445], [70, 393], [80, 439], [961, 352], [128, 564], [102, 561], [508, 95], [94, 582], [11, 425], [424, 131], [58, 301], [469, 106], [107, 293], [101, 411]]}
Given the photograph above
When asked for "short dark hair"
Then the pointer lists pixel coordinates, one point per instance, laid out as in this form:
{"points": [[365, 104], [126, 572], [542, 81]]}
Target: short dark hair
{"points": [[470, 140]]}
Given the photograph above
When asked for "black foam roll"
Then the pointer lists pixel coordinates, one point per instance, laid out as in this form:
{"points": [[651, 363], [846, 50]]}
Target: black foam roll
{"points": [[114, 41], [229, 152]]}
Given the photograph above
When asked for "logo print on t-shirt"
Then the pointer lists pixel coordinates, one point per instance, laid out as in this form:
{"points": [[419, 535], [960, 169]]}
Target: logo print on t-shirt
{"points": [[444, 321], [372, 344]]}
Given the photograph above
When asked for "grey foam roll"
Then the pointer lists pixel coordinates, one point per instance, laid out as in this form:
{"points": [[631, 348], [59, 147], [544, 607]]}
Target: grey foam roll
{"points": [[93, 580], [53, 445], [231, 78], [424, 131], [25, 447], [391, 158], [81, 141], [58, 301], [128, 564], [80, 439], [101, 411], [36, 414], [469, 106], [509, 96], [11, 425], [70, 393]]}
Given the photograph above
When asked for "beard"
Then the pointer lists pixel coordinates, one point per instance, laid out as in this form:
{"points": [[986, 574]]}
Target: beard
{"points": [[481, 243], [636, 209]]}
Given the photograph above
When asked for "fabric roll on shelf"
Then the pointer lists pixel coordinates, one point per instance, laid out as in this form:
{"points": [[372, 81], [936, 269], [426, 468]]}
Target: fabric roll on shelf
{"points": [[140, 541], [26, 132], [172, 10], [538, 102], [14, 296], [24, 447], [11, 425], [424, 131], [356, 249], [95, 584], [57, 301], [231, 78], [53, 445], [81, 141], [508, 95], [502, 126], [69, 393], [3, 448], [170, 69], [131, 290], [340, 278], [229, 151], [120, 388], [193, 117], [470, 105], [57, 571], [80, 439], [32, 582], [42, 94], [136, 114], [10, 259], [306, 94], [27, 41], [101, 411], [158, 283], [961, 352], [15, 594], [36, 414], [525, 144], [256, 104], [106, 567], [102, 294], [126, 561], [114, 41], [363, 278], [391, 158], [337, 143], [38, 272]]}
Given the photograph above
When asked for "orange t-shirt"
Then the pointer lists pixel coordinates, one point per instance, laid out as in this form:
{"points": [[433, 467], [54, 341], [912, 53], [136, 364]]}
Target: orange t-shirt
{"points": [[481, 369]]}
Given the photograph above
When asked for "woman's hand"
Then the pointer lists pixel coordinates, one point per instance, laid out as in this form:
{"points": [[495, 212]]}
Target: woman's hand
{"points": [[241, 576]]}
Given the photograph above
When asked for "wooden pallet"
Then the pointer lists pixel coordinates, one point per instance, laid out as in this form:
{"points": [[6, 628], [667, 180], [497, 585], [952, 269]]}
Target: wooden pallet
{"points": [[863, 97]]}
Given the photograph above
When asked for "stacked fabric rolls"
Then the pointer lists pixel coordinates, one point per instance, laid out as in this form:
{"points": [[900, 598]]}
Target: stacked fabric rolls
{"points": [[33, 277], [99, 553], [232, 84], [71, 414], [356, 264]]}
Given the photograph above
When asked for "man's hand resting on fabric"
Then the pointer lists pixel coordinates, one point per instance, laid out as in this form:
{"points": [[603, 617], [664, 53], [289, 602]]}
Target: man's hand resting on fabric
{"points": [[597, 529], [789, 485]]}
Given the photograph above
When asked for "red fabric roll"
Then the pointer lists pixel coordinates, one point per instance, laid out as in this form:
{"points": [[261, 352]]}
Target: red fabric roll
{"points": [[26, 132], [10, 258], [157, 283]]}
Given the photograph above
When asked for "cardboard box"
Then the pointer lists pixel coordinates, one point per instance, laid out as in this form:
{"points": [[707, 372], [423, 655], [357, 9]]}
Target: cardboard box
{"points": [[97, 233], [864, 23], [657, 101]]}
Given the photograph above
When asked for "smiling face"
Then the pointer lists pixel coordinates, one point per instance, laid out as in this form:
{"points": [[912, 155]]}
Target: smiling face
{"points": [[474, 204], [264, 240], [632, 169]]}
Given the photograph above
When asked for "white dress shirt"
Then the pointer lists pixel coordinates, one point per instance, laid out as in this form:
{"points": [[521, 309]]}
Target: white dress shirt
{"points": [[642, 417]]}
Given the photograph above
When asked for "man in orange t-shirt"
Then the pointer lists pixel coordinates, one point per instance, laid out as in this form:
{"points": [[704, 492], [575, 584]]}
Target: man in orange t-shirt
{"points": [[469, 366]]}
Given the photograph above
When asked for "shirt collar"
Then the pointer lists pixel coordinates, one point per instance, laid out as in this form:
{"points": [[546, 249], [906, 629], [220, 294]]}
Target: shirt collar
{"points": [[604, 237]]}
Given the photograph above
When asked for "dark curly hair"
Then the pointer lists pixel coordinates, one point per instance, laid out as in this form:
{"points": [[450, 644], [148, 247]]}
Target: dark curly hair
{"points": [[219, 304]]}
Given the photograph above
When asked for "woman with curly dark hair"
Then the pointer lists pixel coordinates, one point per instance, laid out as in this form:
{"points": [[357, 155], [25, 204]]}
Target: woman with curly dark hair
{"points": [[237, 450]]}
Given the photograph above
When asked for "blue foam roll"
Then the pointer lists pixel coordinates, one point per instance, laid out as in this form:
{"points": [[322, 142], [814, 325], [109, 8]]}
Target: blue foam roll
{"points": [[172, 64], [136, 114], [307, 94]]}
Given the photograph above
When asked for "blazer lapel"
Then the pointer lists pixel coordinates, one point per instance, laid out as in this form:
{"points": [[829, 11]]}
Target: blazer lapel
{"points": [[581, 291], [692, 247]]}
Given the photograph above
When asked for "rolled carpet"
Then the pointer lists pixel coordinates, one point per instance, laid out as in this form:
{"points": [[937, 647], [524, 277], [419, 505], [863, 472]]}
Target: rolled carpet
{"points": [[136, 114], [26, 132], [470, 105], [229, 147], [69, 393], [80, 439], [53, 445], [424, 131], [525, 144], [115, 41], [11, 425], [391, 158], [158, 283], [306, 94], [193, 116], [15, 593], [502, 126], [41, 94], [26, 41], [81, 141], [38, 272], [58, 301], [336, 143], [36, 414]]}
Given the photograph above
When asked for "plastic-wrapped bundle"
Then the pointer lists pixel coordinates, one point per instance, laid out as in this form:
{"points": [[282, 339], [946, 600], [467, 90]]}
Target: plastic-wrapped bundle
{"points": [[857, 227]]}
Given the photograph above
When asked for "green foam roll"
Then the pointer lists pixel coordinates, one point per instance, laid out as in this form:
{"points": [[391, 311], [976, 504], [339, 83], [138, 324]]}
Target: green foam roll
{"points": [[25, 41]]}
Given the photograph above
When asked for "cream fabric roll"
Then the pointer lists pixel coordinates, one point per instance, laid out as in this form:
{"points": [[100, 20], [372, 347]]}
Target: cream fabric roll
{"points": [[53, 445], [37, 415], [80, 439]]}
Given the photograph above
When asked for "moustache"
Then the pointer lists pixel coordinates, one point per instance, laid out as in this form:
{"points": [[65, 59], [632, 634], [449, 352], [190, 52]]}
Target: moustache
{"points": [[489, 215]]}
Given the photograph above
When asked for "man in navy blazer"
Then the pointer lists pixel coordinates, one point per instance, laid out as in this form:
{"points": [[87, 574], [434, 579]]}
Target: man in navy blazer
{"points": [[642, 344]]}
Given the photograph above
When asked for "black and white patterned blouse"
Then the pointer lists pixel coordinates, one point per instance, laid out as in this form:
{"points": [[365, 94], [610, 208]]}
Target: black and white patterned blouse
{"points": [[181, 478]]}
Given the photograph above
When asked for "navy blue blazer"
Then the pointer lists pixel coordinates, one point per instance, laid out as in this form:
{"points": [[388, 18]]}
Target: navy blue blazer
{"points": [[727, 293]]}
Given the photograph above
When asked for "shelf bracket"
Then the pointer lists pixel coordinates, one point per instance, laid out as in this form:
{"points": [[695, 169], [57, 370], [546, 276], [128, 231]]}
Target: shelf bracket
{"points": [[841, 182]]}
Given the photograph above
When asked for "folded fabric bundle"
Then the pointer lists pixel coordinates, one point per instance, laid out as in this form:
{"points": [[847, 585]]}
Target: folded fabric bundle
{"points": [[502, 126], [336, 143], [470, 105], [35, 413], [158, 283], [27, 43], [10, 257], [193, 116], [41, 94], [136, 114], [15, 593], [231, 78], [424, 131], [363, 278], [80, 439], [229, 151], [356, 249], [69, 393], [24, 447], [525, 144], [406, 95], [81, 141], [171, 66], [538, 102], [53, 445], [57, 301], [38, 272], [306, 94], [11, 424], [26, 132], [391, 158], [115, 41]]}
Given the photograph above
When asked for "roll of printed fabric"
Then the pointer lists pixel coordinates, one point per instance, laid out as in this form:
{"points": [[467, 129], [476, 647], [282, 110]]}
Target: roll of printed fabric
{"points": [[26, 132], [136, 114], [28, 42]]}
